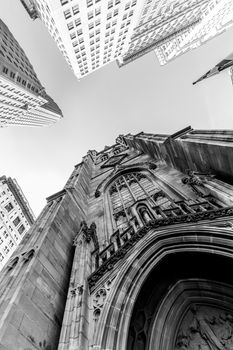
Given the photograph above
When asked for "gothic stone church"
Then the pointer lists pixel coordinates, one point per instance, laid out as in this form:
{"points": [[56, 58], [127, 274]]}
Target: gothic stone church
{"points": [[135, 253]]}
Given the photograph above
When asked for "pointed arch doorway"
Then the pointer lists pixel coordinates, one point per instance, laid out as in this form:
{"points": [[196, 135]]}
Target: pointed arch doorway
{"points": [[186, 303]]}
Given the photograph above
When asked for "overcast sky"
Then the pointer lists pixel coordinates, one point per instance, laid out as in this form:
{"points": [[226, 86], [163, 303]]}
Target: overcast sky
{"points": [[142, 96]]}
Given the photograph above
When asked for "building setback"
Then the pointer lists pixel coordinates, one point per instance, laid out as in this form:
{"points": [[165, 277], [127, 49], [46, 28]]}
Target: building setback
{"points": [[89, 33], [135, 252], [215, 20], [16, 217], [161, 22], [23, 100], [92, 33]]}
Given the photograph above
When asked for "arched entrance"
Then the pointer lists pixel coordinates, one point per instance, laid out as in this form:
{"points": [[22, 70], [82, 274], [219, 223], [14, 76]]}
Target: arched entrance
{"points": [[185, 303], [156, 265]]}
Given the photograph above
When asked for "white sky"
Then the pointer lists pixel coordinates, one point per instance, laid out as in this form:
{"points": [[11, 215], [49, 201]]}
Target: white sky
{"points": [[142, 96]]}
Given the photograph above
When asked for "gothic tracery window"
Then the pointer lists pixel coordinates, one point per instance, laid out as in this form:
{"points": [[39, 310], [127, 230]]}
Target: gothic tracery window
{"points": [[138, 197], [126, 191]]}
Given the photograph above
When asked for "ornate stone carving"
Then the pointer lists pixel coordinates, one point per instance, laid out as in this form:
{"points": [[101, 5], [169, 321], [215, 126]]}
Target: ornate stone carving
{"points": [[119, 168], [195, 180], [99, 299], [153, 224], [77, 290], [152, 166], [121, 141], [205, 328], [87, 234]]}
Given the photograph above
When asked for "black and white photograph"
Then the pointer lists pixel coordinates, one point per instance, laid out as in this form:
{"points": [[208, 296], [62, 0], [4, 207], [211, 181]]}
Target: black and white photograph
{"points": [[116, 181]]}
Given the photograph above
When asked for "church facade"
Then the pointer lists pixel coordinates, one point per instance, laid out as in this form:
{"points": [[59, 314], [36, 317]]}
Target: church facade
{"points": [[135, 253]]}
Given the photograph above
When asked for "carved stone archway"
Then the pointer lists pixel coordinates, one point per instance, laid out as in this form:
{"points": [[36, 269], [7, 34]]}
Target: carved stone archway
{"points": [[195, 314], [190, 308], [215, 244]]}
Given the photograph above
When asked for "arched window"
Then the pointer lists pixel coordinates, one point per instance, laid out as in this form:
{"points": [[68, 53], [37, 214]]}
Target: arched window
{"points": [[126, 190], [144, 213]]}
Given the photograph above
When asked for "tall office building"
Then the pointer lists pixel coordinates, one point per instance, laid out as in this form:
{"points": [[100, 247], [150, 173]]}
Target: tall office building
{"points": [[23, 100], [89, 33], [215, 19], [134, 253], [16, 217], [160, 22], [92, 33]]}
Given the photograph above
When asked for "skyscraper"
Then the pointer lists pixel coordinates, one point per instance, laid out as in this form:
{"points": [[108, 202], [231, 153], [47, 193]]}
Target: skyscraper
{"points": [[161, 22], [23, 100], [215, 19], [89, 33], [16, 217], [92, 33], [135, 252]]}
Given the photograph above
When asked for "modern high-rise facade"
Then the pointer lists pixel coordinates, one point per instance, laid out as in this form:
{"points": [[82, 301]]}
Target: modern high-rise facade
{"points": [[16, 217], [215, 19], [160, 22], [134, 253], [92, 33], [23, 100], [89, 33]]}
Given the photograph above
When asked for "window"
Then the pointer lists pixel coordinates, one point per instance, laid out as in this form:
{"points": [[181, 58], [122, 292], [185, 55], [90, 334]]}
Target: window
{"points": [[90, 15], [77, 22], [72, 36], [5, 234], [12, 75], [21, 229], [67, 14], [97, 11], [64, 2], [127, 6], [89, 3], [75, 9], [16, 221], [9, 206], [110, 4], [125, 192], [5, 70], [70, 25]]}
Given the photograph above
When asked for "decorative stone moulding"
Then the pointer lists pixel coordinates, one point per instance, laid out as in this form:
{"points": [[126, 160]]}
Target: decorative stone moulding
{"points": [[148, 166], [199, 316], [130, 238]]}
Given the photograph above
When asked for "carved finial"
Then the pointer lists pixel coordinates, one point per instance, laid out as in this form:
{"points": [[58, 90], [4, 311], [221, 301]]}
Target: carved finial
{"points": [[87, 234], [92, 153], [120, 140]]}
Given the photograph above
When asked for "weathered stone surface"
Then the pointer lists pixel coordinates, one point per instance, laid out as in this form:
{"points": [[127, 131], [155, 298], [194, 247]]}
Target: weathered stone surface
{"points": [[79, 279]]}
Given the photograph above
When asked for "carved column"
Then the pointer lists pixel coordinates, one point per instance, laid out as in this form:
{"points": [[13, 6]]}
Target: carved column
{"points": [[74, 333]]}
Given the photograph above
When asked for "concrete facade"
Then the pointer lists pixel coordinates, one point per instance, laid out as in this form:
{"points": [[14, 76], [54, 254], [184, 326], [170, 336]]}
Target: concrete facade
{"points": [[16, 217], [23, 100], [134, 253]]}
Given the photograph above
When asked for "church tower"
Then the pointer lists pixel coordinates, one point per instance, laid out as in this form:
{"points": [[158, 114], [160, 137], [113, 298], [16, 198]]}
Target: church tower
{"points": [[135, 253]]}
